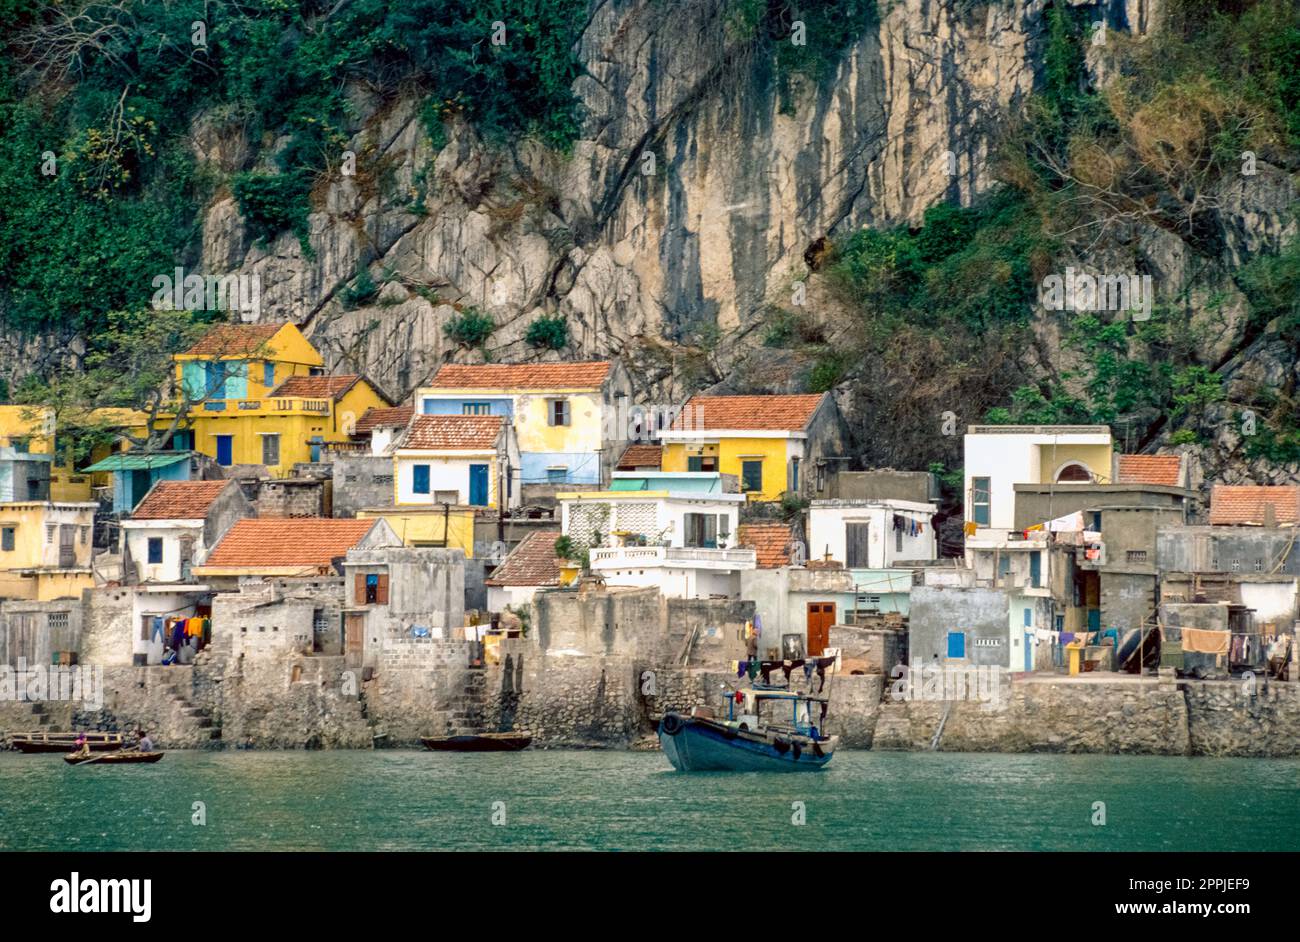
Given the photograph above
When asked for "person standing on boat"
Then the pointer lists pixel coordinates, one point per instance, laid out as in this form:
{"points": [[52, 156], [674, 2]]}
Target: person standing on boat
{"points": [[145, 744]]}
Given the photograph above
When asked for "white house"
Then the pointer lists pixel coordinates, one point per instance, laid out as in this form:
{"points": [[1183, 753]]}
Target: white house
{"points": [[675, 531], [531, 565], [456, 459], [176, 525], [998, 457], [871, 534]]}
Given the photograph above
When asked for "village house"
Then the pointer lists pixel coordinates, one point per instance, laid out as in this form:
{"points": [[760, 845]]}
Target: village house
{"points": [[567, 417], [45, 549], [530, 566], [289, 547], [397, 595], [378, 428], [465, 460], [261, 399], [30, 469], [176, 525], [773, 444], [134, 473], [673, 530], [641, 457]]}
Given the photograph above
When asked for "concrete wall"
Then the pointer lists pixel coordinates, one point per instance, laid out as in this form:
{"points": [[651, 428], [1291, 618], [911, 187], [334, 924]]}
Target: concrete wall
{"points": [[34, 630], [362, 481], [1245, 550], [883, 484], [983, 614]]}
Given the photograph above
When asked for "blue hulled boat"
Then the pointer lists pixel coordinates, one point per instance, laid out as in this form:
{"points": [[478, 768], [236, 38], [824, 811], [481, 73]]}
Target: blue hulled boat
{"points": [[754, 738]]}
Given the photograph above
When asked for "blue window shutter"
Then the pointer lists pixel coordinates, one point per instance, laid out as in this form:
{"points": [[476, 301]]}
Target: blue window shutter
{"points": [[956, 644], [420, 479], [268, 374]]}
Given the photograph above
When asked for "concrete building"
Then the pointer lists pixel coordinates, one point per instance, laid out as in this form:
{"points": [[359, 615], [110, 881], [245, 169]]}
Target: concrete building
{"points": [[871, 534], [668, 530], [567, 417], [378, 428], [45, 549], [973, 626], [176, 525], [134, 473], [361, 480], [289, 547], [467, 460], [773, 444], [396, 594], [530, 566]]}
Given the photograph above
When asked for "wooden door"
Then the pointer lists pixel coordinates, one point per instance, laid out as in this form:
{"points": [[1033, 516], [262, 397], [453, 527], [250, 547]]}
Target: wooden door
{"points": [[821, 615], [355, 632], [855, 545], [67, 548]]}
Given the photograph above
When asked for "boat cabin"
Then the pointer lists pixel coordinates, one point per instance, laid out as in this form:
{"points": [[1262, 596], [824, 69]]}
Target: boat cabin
{"points": [[756, 709]]}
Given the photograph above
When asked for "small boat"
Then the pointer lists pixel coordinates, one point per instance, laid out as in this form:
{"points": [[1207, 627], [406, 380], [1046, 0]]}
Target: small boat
{"points": [[748, 741], [477, 742], [114, 758], [64, 742]]}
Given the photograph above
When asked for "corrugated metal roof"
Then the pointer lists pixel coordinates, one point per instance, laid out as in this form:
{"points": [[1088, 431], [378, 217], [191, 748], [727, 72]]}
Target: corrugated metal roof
{"points": [[133, 461]]}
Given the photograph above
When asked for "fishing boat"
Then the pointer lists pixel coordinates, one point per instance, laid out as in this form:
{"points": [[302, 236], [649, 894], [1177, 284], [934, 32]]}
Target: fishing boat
{"points": [[64, 742], [477, 742], [115, 758], [766, 729]]}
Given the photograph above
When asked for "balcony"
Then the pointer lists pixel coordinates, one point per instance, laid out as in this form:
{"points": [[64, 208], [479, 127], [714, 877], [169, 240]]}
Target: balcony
{"points": [[685, 557], [269, 406]]}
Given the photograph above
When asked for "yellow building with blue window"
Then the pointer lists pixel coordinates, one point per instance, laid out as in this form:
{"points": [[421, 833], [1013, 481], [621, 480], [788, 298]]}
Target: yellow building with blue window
{"points": [[772, 444], [259, 398]]}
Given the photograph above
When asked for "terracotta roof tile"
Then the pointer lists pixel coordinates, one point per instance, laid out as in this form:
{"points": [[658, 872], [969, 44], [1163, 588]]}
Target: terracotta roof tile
{"points": [[457, 432], [1150, 469], [287, 542], [771, 542], [532, 562], [749, 413], [387, 417], [1236, 504], [317, 387], [585, 375], [641, 456], [179, 500], [234, 339]]}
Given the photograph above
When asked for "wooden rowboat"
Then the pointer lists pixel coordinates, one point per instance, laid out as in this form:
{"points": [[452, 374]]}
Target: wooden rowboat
{"points": [[477, 742], [64, 742], [114, 758]]}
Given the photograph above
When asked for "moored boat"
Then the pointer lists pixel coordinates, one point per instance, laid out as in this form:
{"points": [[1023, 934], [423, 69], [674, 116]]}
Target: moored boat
{"points": [[477, 742], [64, 742], [114, 758], [749, 741]]}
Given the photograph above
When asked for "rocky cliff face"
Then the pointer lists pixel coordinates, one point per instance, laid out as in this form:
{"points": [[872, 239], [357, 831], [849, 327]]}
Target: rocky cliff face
{"points": [[694, 196]]}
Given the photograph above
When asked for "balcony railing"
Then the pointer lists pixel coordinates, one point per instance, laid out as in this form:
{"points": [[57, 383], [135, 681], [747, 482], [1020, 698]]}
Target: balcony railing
{"points": [[616, 557], [268, 406]]}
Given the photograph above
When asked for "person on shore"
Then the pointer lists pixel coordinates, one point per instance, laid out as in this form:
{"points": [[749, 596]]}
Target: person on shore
{"points": [[145, 744]]}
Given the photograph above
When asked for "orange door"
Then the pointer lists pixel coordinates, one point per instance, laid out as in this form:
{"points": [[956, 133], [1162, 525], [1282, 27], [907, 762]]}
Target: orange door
{"points": [[821, 615]]}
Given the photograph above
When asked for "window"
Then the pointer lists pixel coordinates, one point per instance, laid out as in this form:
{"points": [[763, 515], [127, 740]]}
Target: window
{"points": [[980, 502], [382, 479], [155, 550], [898, 539], [85, 535], [701, 530], [268, 375], [701, 463], [49, 533], [794, 474], [225, 450], [7, 539], [956, 644], [56, 621], [478, 408], [1136, 556], [557, 412], [270, 449], [751, 475], [420, 479], [21, 444], [557, 475]]}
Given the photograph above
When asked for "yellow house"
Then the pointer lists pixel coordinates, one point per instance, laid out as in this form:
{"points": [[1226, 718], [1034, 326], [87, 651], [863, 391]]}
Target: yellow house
{"points": [[262, 399], [569, 419], [45, 549], [450, 526], [28, 453], [765, 441]]}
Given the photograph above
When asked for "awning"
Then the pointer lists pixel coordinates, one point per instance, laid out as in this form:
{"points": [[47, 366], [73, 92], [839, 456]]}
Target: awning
{"points": [[133, 461]]}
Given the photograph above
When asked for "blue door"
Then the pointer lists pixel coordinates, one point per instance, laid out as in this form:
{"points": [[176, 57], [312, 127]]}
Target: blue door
{"points": [[1035, 569], [224, 452], [478, 485]]}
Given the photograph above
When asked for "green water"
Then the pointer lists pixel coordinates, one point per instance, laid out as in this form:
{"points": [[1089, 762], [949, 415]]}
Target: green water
{"points": [[398, 800]]}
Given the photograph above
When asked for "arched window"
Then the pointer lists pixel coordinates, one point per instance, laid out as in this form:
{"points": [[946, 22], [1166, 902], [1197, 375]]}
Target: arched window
{"points": [[1073, 472]]}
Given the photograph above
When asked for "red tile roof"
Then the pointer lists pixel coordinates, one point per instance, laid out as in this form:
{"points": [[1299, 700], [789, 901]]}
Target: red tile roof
{"points": [[234, 339], [749, 413], [287, 542], [317, 387], [456, 432], [532, 562], [1150, 469], [374, 418], [179, 500], [1231, 504], [585, 375], [641, 456], [771, 542]]}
